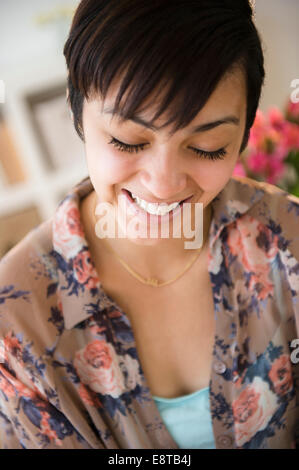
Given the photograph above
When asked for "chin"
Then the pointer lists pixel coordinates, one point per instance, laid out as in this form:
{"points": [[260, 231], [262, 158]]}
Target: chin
{"points": [[145, 241]]}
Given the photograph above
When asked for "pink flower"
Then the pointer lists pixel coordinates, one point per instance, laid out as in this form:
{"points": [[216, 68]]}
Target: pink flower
{"points": [[272, 138], [276, 170], [242, 241], [13, 347], [292, 109], [258, 130], [84, 270], [89, 397], [102, 369], [46, 430], [68, 233], [5, 386], [291, 136], [253, 410], [276, 118], [269, 166], [239, 170], [281, 375], [260, 120], [257, 162], [97, 366]]}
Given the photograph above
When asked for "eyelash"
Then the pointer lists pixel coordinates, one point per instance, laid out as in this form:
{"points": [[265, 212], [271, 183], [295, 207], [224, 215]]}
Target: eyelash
{"points": [[216, 155]]}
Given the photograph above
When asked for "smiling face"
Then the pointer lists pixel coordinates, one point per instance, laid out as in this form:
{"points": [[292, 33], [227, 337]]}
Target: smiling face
{"points": [[164, 167]]}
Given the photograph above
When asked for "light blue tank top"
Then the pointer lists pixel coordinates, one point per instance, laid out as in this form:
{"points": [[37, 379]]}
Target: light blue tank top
{"points": [[188, 419]]}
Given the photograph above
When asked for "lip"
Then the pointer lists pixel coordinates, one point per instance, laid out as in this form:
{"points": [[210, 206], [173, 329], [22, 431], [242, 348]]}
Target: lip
{"points": [[145, 216]]}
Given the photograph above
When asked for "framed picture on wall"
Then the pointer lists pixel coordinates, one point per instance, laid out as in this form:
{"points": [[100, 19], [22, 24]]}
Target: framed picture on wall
{"points": [[54, 129], [11, 167], [15, 226]]}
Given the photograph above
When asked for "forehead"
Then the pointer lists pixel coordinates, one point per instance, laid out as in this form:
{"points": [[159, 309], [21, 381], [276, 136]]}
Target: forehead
{"points": [[229, 97]]}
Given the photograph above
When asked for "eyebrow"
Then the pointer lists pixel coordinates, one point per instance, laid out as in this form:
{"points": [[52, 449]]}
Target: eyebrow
{"points": [[231, 119]]}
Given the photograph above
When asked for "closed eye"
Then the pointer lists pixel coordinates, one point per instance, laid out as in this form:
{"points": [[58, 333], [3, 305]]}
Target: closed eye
{"points": [[215, 155]]}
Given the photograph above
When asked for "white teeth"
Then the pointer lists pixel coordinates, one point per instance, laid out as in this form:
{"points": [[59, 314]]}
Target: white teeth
{"points": [[154, 208]]}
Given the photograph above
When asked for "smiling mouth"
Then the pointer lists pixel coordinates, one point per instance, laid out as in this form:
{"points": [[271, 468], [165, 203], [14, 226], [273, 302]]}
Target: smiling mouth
{"points": [[181, 202]]}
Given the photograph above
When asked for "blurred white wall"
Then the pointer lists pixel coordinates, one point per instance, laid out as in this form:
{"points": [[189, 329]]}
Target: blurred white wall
{"points": [[22, 41], [278, 23]]}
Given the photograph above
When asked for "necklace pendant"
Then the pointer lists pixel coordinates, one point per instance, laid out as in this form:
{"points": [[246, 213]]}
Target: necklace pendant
{"points": [[153, 282]]}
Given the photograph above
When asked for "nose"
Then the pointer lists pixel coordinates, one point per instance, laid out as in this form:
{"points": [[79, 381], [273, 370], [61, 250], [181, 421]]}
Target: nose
{"points": [[164, 176]]}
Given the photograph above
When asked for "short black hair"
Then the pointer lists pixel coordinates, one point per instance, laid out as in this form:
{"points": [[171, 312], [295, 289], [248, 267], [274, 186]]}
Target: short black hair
{"points": [[184, 47]]}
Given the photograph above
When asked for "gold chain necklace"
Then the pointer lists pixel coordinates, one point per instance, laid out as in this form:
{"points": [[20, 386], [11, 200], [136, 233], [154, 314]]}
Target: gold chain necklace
{"points": [[150, 281]]}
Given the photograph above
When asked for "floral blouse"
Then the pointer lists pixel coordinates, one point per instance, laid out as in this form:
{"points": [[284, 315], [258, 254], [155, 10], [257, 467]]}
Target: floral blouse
{"points": [[70, 375]]}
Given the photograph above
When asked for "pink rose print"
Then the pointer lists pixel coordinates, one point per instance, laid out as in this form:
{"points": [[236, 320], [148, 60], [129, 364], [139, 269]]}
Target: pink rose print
{"points": [[89, 397], [15, 387], [242, 242], [97, 365], [253, 410], [47, 431], [6, 387], [67, 229], [84, 270], [12, 346], [281, 375], [73, 221]]}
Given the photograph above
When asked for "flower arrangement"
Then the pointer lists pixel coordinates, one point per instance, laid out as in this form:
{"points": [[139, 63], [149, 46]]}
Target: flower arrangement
{"points": [[272, 154]]}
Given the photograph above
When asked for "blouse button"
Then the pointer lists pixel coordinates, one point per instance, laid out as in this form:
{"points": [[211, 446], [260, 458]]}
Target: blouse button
{"points": [[224, 440], [219, 367]]}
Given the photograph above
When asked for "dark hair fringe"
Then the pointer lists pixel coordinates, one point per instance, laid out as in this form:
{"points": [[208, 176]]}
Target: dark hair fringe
{"points": [[182, 48]]}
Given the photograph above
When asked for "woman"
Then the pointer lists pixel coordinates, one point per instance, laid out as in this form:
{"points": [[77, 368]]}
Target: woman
{"points": [[135, 341]]}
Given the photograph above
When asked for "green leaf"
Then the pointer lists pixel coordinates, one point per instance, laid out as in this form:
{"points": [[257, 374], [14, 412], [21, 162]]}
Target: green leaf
{"points": [[293, 159], [294, 190]]}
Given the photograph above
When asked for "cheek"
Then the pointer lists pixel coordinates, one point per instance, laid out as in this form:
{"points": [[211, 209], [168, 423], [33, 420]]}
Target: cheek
{"points": [[108, 166], [105, 164], [212, 176]]}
